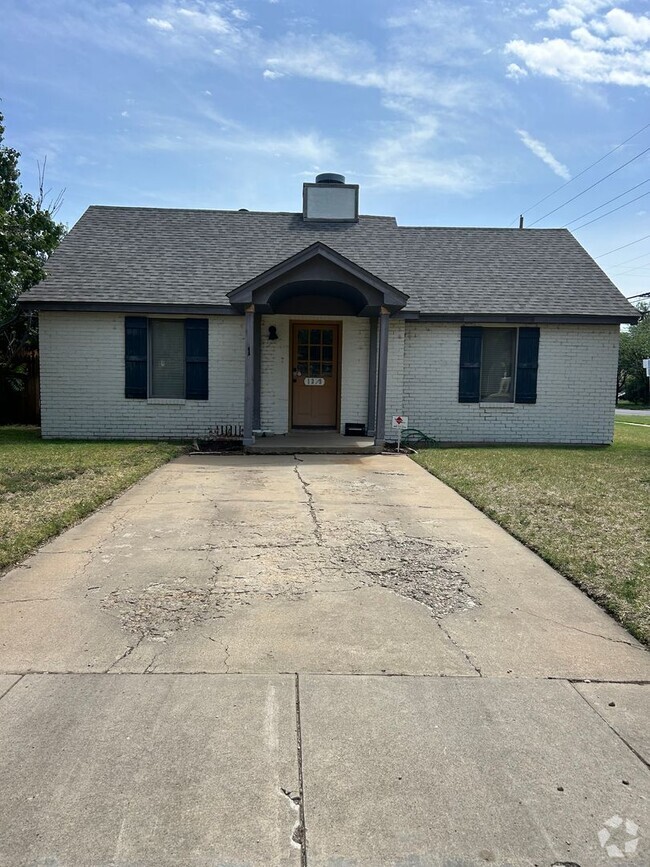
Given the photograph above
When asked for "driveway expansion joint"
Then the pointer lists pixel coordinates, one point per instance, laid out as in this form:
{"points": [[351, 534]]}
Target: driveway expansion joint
{"points": [[299, 834]]}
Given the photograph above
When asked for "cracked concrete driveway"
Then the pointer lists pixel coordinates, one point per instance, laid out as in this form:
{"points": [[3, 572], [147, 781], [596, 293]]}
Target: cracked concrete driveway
{"points": [[310, 660]]}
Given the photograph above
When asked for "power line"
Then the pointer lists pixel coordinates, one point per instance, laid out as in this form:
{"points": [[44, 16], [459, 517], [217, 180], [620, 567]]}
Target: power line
{"points": [[633, 259], [595, 184], [575, 177], [631, 270], [616, 249], [582, 216], [607, 213]]}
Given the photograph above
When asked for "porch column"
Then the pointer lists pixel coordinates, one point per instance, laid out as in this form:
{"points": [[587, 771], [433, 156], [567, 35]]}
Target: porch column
{"points": [[249, 376], [257, 378], [372, 378], [380, 428]]}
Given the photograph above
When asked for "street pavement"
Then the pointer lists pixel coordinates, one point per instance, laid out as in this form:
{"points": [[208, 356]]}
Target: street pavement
{"points": [[312, 660]]}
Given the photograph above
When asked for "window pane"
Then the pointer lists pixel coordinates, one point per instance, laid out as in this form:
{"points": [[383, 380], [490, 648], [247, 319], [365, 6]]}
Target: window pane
{"points": [[314, 368], [167, 358], [302, 353], [315, 335], [303, 336], [328, 335], [314, 353], [498, 364], [327, 353]]}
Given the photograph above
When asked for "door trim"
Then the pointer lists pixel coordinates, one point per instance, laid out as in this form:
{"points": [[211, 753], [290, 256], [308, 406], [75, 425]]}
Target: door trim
{"points": [[294, 324]]}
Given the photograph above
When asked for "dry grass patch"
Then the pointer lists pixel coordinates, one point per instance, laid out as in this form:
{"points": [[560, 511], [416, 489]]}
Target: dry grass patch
{"points": [[586, 511], [47, 485]]}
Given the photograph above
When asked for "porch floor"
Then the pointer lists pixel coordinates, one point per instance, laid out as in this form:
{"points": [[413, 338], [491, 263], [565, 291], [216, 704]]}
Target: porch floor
{"points": [[312, 443]]}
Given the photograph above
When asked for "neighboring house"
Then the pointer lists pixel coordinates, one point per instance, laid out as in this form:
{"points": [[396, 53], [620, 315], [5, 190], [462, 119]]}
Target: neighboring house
{"points": [[170, 323]]}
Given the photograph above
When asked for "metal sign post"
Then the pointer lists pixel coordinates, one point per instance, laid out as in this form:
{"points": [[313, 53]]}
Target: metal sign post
{"points": [[400, 423]]}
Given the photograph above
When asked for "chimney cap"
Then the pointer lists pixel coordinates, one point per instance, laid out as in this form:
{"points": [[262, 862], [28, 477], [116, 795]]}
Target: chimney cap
{"points": [[330, 178]]}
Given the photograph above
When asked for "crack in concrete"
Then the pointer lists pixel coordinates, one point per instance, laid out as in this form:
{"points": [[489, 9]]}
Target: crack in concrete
{"points": [[35, 599], [129, 650], [582, 631], [310, 506], [11, 686], [610, 726], [461, 649]]}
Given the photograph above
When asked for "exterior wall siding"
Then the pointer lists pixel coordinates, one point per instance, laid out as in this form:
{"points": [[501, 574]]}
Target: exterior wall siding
{"points": [[576, 388], [82, 382]]}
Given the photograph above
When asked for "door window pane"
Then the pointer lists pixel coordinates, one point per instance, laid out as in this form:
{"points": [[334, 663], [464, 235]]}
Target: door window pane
{"points": [[328, 336], [167, 358], [498, 364], [303, 336], [315, 335]]}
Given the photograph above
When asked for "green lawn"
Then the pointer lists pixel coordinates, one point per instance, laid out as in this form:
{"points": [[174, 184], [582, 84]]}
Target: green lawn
{"points": [[47, 485], [586, 511], [633, 419]]}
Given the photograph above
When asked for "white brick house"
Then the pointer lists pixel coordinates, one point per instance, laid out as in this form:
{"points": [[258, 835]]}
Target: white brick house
{"points": [[172, 323]]}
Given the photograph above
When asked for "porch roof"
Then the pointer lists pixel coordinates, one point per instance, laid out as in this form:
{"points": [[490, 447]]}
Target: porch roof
{"points": [[129, 258]]}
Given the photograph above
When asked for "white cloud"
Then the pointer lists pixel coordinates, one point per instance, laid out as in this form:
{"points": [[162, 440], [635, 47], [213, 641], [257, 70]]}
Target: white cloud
{"points": [[124, 113], [600, 48], [635, 28], [271, 75], [206, 17], [160, 23], [540, 150], [340, 60], [240, 14], [514, 71], [406, 160]]}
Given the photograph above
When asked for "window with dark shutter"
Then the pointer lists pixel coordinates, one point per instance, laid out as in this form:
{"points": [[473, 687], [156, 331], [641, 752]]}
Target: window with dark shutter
{"points": [[135, 357], [167, 338], [196, 359], [498, 365], [470, 364], [527, 362]]}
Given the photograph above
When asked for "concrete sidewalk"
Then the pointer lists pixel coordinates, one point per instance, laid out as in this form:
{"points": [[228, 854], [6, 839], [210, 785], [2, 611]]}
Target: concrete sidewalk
{"points": [[319, 660]]}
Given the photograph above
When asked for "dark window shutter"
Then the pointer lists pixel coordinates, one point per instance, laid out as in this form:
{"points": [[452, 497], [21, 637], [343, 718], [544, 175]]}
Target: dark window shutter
{"points": [[196, 359], [470, 364], [135, 357], [527, 354]]}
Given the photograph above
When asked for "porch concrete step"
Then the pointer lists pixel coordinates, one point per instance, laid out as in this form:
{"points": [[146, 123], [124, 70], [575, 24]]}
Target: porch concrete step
{"points": [[313, 443]]}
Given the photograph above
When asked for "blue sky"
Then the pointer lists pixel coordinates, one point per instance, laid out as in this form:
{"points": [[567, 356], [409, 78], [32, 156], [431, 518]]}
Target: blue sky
{"points": [[446, 113]]}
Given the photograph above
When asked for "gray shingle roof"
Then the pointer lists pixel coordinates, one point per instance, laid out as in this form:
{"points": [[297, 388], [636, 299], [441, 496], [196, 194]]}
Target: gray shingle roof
{"points": [[172, 256]]}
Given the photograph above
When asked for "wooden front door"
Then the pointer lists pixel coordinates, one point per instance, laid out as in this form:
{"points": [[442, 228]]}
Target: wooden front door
{"points": [[314, 374]]}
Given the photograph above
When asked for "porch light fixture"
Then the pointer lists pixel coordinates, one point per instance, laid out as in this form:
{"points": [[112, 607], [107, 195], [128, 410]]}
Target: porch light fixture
{"points": [[273, 332]]}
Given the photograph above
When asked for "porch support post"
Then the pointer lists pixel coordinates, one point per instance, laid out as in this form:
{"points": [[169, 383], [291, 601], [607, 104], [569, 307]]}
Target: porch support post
{"points": [[372, 377], [249, 376], [380, 428], [257, 379]]}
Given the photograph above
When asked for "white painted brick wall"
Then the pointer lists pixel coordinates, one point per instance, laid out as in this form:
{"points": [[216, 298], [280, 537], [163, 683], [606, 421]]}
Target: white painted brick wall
{"points": [[82, 382], [275, 361], [575, 388]]}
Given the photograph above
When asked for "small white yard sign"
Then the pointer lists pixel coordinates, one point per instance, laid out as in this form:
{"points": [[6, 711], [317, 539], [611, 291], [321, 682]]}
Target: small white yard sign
{"points": [[401, 422]]}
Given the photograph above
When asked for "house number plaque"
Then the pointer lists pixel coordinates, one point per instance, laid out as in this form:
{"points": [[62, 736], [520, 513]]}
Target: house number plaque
{"points": [[314, 380]]}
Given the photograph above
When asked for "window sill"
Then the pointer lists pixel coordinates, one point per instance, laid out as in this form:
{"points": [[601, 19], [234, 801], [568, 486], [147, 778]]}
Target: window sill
{"points": [[166, 401], [492, 403]]}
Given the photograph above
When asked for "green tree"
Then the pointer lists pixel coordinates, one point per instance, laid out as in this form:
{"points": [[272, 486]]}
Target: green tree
{"points": [[634, 347], [28, 235]]}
